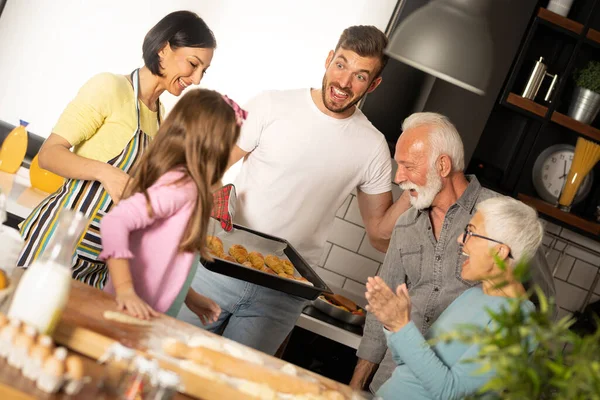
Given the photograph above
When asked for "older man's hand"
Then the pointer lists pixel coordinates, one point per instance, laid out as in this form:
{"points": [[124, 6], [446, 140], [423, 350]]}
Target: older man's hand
{"points": [[392, 309]]}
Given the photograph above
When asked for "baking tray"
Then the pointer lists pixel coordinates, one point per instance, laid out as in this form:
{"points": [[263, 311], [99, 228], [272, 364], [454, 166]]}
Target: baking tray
{"points": [[338, 313], [279, 247]]}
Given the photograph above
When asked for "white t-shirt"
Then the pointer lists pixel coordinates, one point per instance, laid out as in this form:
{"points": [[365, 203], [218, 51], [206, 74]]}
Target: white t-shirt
{"points": [[302, 166]]}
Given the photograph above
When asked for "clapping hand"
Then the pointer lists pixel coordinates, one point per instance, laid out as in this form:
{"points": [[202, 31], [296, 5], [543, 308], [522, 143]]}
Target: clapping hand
{"points": [[391, 309]]}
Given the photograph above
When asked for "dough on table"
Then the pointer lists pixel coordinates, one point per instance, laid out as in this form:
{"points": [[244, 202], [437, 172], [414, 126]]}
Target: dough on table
{"points": [[125, 318]]}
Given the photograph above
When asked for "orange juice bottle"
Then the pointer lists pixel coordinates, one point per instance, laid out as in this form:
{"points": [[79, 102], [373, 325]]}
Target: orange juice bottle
{"points": [[42, 179], [13, 149]]}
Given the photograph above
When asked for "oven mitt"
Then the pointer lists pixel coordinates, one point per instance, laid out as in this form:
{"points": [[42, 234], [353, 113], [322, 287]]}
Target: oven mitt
{"points": [[224, 206]]}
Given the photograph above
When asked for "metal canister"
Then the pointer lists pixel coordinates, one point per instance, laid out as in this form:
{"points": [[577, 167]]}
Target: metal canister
{"points": [[535, 79]]}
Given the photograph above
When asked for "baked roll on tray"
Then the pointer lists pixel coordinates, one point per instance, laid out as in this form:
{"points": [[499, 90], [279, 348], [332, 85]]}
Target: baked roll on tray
{"points": [[271, 264]]}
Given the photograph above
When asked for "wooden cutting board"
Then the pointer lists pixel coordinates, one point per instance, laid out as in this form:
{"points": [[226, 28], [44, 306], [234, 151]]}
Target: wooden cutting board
{"points": [[84, 329]]}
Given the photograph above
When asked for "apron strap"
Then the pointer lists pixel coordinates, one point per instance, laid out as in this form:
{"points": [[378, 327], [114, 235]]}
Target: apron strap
{"points": [[135, 80]]}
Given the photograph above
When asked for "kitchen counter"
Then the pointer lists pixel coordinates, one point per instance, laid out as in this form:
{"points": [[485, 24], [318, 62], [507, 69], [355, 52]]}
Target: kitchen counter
{"points": [[84, 330], [22, 199]]}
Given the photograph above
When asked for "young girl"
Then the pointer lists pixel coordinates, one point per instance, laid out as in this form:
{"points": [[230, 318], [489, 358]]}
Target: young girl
{"points": [[151, 237]]}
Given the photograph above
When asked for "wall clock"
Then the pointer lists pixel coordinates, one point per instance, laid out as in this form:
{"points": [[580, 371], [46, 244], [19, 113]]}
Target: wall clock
{"points": [[550, 171]]}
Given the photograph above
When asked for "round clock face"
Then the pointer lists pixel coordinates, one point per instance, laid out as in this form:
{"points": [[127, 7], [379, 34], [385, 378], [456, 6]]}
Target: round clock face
{"points": [[550, 172]]}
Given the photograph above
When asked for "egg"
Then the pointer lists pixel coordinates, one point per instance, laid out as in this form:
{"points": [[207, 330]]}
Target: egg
{"points": [[74, 367], [55, 365], [42, 349], [26, 339]]}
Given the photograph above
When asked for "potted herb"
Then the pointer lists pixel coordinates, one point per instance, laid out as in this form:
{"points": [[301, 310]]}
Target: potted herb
{"points": [[586, 98], [528, 354]]}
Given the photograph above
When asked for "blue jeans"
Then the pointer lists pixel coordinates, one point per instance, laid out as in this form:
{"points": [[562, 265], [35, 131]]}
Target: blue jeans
{"points": [[252, 315]]}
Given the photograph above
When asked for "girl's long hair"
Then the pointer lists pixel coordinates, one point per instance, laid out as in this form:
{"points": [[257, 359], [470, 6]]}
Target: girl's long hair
{"points": [[196, 138]]}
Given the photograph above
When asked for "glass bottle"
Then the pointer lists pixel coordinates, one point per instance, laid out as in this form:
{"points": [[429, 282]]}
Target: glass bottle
{"points": [[44, 289]]}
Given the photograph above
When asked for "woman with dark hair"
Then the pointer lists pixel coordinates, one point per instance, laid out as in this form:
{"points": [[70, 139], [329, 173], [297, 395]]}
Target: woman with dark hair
{"points": [[108, 125]]}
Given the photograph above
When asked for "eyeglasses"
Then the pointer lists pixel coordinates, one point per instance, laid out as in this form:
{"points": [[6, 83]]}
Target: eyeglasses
{"points": [[469, 233]]}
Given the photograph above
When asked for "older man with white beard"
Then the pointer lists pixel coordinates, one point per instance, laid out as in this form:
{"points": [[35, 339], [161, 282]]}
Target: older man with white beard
{"points": [[423, 251]]}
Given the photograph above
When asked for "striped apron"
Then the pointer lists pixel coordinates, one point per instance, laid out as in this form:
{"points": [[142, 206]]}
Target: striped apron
{"points": [[91, 199]]}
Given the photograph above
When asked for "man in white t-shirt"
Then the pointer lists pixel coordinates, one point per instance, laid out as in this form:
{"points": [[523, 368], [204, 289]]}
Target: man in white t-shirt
{"points": [[305, 151]]}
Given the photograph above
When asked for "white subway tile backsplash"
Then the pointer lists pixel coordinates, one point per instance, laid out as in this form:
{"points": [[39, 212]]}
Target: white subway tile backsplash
{"points": [[350, 264], [354, 287], [550, 227], [330, 278], [583, 255], [551, 257], [346, 234], [547, 240], [341, 212], [561, 313], [583, 274], [568, 296], [325, 253], [581, 240], [369, 251], [353, 213], [564, 267], [560, 245]]}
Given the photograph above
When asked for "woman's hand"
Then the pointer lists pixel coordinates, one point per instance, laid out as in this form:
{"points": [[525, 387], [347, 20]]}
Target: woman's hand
{"points": [[391, 309], [206, 309], [114, 181], [129, 302]]}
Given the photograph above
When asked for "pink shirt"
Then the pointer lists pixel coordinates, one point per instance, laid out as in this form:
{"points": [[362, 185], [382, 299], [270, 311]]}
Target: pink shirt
{"points": [[158, 268]]}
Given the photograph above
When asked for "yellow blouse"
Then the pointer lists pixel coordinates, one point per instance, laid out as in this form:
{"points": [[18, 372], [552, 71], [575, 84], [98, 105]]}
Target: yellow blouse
{"points": [[101, 119]]}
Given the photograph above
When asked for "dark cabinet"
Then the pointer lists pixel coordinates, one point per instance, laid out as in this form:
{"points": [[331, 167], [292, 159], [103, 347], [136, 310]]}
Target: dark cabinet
{"points": [[522, 131]]}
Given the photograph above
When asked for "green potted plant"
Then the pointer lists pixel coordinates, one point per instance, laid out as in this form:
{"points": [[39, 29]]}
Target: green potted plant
{"points": [[534, 357], [586, 98]]}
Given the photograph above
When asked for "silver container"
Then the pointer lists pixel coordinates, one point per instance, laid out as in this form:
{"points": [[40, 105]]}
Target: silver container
{"points": [[585, 105], [338, 313], [535, 81]]}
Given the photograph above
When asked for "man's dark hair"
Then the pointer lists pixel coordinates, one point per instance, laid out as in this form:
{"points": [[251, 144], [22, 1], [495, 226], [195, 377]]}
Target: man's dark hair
{"points": [[366, 41], [178, 29]]}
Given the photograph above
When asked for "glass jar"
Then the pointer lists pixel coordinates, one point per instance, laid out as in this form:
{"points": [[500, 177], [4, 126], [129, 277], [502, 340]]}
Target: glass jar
{"points": [[138, 382], [167, 385], [115, 358]]}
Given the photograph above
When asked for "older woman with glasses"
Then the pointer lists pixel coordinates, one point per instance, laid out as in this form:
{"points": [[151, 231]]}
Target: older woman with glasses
{"points": [[502, 227]]}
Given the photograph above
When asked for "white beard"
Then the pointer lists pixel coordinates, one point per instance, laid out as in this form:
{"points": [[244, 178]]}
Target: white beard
{"points": [[425, 194]]}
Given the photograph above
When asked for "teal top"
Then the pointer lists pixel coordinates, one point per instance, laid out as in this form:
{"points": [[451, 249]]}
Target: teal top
{"points": [[438, 372], [180, 299]]}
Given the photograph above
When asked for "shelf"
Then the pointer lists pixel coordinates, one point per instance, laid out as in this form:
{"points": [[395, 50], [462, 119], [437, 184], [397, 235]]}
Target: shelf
{"points": [[554, 212], [594, 36], [527, 105], [579, 127], [560, 21]]}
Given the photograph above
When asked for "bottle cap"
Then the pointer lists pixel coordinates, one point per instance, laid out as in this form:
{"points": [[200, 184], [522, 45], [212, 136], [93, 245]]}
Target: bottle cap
{"points": [[23, 123]]}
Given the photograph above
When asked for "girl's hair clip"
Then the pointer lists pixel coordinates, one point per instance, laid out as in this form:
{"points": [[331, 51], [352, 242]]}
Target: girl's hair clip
{"points": [[240, 113]]}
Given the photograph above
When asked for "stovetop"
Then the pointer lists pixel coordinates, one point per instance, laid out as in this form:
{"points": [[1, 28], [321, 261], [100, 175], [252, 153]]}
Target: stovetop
{"points": [[321, 316]]}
